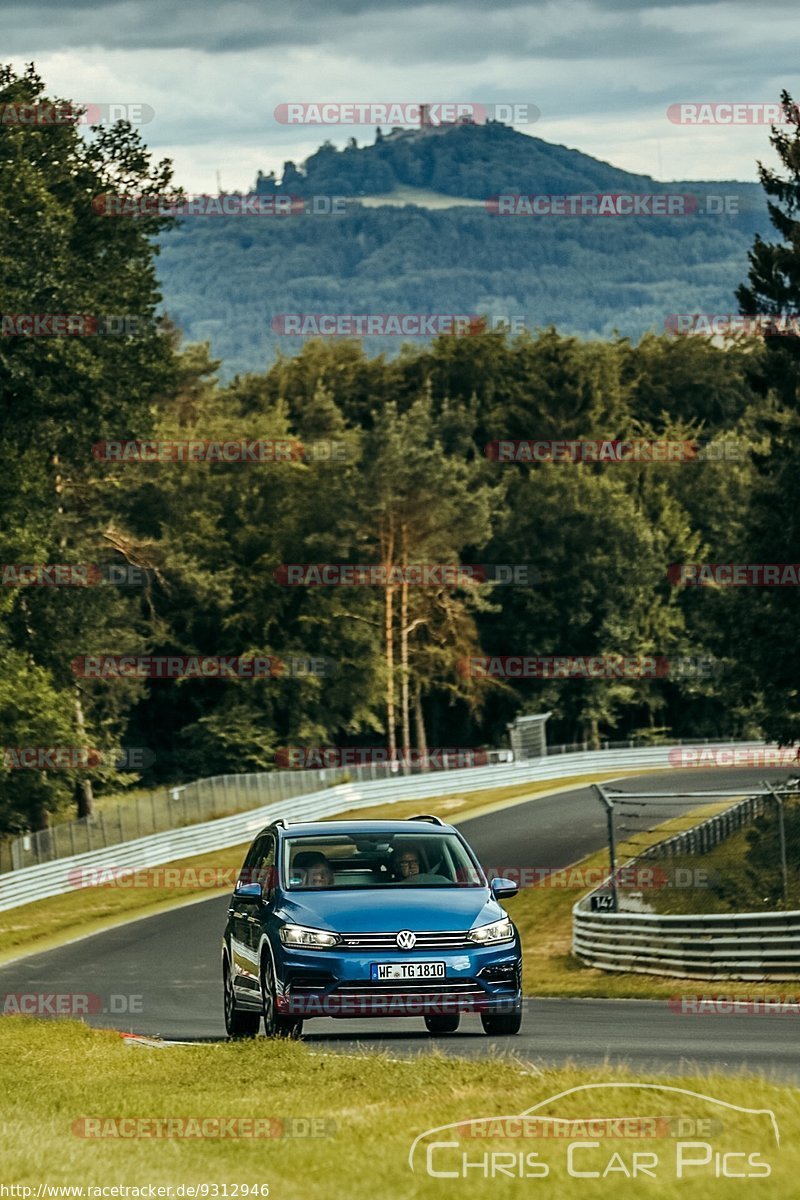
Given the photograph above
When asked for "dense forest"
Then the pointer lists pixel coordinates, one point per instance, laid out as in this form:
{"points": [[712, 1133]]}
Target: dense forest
{"points": [[409, 481], [226, 279]]}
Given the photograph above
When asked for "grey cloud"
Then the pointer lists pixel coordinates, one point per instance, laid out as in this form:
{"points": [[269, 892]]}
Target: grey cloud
{"points": [[40, 25]]}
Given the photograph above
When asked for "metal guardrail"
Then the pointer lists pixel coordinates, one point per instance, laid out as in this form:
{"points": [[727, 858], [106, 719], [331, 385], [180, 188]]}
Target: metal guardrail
{"points": [[752, 946], [38, 882], [745, 946], [192, 803], [708, 834], [166, 809], [223, 795]]}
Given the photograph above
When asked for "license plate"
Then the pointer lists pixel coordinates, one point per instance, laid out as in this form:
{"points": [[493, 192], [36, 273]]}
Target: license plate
{"points": [[415, 970]]}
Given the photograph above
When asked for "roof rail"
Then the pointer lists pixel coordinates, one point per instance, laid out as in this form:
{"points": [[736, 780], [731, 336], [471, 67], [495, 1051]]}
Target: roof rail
{"points": [[427, 817]]}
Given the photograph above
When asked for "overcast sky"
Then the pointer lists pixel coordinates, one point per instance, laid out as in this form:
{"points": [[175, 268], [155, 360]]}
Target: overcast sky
{"points": [[602, 72]]}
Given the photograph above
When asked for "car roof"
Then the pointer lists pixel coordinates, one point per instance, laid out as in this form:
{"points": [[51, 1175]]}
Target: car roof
{"points": [[321, 828]]}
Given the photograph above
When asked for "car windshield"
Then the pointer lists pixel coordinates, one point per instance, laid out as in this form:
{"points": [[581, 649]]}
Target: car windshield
{"points": [[392, 859]]}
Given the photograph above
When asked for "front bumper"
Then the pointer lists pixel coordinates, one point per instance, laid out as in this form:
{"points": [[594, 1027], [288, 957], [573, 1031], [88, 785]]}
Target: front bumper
{"points": [[336, 983]]}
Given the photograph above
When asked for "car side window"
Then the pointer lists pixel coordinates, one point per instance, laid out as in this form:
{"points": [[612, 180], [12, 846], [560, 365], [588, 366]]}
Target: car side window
{"points": [[262, 870], [255, 855]]}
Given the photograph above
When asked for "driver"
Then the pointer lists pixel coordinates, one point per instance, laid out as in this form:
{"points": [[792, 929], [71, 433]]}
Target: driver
{"points": [[406, 863], [318, 871]]}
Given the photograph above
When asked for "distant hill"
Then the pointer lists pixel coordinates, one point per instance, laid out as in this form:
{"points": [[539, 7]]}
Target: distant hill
{"points": [[471, 161], [474, 161], [228, 279]]}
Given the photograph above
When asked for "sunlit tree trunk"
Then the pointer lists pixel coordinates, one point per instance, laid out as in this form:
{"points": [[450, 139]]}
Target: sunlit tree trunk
{"points": [[404, 695], [419, 721], [84, 794], [389, 644]]}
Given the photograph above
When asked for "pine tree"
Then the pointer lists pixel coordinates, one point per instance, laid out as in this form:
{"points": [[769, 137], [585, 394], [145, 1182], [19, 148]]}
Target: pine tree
{"points": [[774, 273]]}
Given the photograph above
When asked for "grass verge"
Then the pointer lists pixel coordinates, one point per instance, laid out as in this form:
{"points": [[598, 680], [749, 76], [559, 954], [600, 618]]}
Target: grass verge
{"points": [[732, 878], [371, 1109]]}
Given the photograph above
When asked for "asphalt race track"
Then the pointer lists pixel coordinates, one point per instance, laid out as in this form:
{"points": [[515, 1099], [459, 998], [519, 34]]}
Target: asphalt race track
{"points": [[170, 962]]}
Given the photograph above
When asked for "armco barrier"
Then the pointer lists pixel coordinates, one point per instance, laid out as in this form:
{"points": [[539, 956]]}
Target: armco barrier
{"points": [[751, 946], [50, 879], [708, 833], [160, 811], [746, 946]]}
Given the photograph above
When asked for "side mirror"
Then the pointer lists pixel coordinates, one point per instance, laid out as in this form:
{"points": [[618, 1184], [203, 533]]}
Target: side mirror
{"points": [[503, 889], [249, 893]]}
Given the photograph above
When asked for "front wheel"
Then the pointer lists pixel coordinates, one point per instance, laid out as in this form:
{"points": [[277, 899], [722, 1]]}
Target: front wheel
{"points": [[238, 1023], [501, 1024], [276, 1024], [448, 1024]]}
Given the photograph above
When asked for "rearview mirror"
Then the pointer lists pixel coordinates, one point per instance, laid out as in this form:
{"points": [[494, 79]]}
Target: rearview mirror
{"points": [[503, 889], [250, 893]]}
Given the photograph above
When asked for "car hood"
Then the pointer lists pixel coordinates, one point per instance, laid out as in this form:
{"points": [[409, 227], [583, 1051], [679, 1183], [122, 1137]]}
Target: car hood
{"points": [[369, 910]]}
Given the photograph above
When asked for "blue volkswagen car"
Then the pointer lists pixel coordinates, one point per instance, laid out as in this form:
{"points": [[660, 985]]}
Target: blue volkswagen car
{"points": [[368, 918]]}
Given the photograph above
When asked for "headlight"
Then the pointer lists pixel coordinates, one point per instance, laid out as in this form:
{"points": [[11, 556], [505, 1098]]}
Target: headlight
{"points": [[498, 931], [301, 935]]}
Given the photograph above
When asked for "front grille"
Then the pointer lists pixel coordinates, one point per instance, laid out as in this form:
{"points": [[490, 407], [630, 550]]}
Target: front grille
{"points": [[444, 940], [415, 987]]}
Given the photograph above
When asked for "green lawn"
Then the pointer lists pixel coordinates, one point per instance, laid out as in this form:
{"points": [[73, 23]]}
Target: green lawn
{"points": [[67, 1080]]}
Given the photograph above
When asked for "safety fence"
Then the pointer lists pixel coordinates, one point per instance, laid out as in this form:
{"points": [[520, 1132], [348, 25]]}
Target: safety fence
{"points": [[746, 946], [41, 880], [141, 815]]}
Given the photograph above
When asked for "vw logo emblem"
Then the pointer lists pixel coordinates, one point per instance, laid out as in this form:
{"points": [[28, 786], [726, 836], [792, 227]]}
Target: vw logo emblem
{"points": [[406, 940]]}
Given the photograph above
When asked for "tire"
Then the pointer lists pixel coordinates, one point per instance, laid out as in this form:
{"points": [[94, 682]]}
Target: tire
{"points": [[276, 1025], [501, 1024], [448, 1024], [238, 1023]]}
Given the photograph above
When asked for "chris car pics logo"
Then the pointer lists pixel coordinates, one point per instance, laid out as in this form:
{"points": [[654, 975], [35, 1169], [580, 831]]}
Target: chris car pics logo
{"points": [[613, 1132]]}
